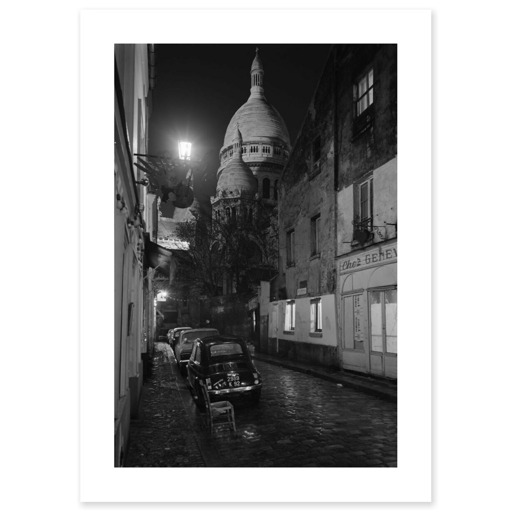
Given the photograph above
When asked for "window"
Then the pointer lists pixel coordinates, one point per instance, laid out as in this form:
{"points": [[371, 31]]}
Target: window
{"points": [[266, 188], [254, 149], [277, 151], [197, 357], [266, 149], [364, 92], [315, 235], [383, 308], [225, 349], [366, 204], [289, 317], [196, 353], [316, 315], [290, 247], [244, 149]]}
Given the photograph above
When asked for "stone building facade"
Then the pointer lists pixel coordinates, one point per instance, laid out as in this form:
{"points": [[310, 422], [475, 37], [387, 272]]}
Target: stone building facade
{"points": [[134, 225], [338, 219]]}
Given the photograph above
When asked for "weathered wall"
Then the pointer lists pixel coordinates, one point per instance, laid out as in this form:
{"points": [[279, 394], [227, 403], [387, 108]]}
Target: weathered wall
{"points": [[306, 191], [364, 150]]}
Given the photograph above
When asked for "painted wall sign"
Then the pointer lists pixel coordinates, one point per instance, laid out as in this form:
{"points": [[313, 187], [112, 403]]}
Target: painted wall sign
{"points": [[302, 291], [380, 255]]}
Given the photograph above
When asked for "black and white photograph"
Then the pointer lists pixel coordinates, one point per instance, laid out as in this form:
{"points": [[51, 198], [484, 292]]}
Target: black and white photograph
{"points": [[227, 335], [256, 255]]}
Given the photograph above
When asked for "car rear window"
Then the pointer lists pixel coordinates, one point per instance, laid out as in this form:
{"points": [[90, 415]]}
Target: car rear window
{"points": [[225, 349], [188, 337]]}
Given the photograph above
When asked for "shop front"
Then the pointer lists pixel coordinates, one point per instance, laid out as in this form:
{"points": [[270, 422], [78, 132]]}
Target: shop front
{"points": [[367, 310]]}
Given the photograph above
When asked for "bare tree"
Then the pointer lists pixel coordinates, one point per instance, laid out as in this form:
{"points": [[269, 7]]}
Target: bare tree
{"points": [[237, 243]]}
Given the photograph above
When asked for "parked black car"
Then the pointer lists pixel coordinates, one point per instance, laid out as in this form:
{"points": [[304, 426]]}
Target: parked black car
{"points": [[225, 365], [185, 343]]}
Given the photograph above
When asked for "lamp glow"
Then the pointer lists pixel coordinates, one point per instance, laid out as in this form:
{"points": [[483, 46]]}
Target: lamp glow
{"points": [[184, 150], [161, 296]]}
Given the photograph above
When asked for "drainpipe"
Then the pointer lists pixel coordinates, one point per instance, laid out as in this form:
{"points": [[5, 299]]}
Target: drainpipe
{"points": [[336, 143], [337, 306]]}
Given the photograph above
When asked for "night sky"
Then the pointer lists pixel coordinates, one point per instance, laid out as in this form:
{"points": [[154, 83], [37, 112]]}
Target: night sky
{"points": [[199, 88]]}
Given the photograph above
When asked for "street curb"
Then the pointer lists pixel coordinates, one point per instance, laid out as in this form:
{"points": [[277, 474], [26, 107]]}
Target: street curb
{"points": [[375, 389]]}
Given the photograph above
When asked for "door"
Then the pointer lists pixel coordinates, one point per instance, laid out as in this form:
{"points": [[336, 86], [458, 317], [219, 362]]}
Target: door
{"points": [[194, 367], [383, 331]]}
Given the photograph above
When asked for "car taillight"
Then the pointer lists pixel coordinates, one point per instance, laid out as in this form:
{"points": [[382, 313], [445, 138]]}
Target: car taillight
{"points": [[256, 378]]}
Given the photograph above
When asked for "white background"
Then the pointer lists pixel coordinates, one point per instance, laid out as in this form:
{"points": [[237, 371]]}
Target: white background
{"points": [[471, 350]]}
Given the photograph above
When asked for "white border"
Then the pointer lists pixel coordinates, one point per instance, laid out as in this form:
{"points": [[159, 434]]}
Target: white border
{"points": [[100, 481]]}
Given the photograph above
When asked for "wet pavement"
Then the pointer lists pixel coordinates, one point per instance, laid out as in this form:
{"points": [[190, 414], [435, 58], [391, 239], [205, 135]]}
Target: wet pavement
{"points": [[301, 421]]}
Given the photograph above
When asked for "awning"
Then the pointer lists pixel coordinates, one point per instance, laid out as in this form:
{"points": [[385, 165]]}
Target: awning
{"points": [[156, 256]]}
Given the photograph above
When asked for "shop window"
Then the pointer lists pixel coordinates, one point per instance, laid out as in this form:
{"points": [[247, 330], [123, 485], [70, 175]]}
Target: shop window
{"points": [[289, 317], [352, 322], [383, 316], [316, 316], [266, 188], [315, 235], [364, 92], [290, 247]]}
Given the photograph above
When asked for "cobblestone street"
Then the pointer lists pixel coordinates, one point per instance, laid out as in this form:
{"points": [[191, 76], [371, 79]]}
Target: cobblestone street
{"points": [[301, 421]]}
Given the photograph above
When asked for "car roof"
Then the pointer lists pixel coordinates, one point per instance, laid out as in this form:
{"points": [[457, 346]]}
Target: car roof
{"points": [[211, 331], [221, 338]]}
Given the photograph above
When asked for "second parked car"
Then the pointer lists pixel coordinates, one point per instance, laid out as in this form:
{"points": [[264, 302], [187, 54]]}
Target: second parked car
{"points": [[174, 334], [183, 347]]}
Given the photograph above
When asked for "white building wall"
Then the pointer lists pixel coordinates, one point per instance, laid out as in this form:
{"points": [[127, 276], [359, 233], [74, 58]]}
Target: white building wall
{"points": [[302, 333]]}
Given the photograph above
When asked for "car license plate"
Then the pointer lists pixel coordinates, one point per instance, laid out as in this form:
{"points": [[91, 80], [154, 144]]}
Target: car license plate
{"points": [[233, 380]]}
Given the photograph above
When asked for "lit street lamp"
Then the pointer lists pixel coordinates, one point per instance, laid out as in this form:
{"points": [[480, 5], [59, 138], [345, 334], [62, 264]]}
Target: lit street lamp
{"points": [[169, 178], [184, 150]]}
